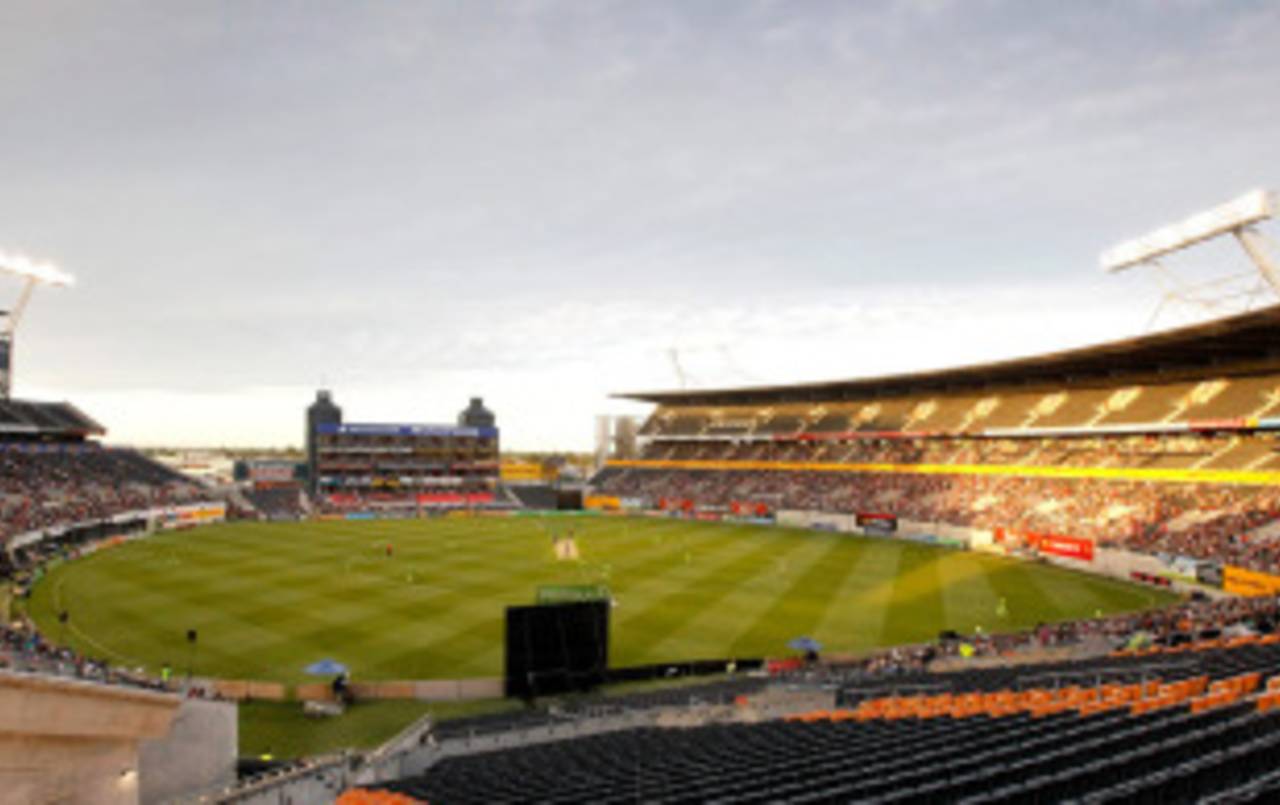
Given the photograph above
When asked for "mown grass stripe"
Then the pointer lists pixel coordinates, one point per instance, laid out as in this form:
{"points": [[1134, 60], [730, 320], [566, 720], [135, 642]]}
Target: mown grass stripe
{"points": [[917, 608], [970, 601], [269, 598], [854, 616], [709, 584], [795, 609]]}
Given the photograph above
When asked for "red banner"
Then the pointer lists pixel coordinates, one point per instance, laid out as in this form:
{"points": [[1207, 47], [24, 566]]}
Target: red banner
{"points": [[743, 508], [675, 504], [1147, 578], [455, 498], [1057, 545]]}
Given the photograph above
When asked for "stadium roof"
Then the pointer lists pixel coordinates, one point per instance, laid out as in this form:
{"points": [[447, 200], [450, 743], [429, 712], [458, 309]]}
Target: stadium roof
{"points": [[26, 418], [1235, 345]]}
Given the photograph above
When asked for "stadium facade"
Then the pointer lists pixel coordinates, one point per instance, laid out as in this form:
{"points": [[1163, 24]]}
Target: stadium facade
{"points": [[388, 467]]}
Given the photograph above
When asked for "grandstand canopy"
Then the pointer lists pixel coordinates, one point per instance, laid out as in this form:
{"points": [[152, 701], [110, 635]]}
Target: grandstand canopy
{"points": [[23, 418], [1237, 345]]}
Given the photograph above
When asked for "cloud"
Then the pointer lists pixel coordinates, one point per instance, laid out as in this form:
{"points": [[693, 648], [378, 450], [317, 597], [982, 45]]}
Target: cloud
{"points": [[537, 201], [548, 372]]}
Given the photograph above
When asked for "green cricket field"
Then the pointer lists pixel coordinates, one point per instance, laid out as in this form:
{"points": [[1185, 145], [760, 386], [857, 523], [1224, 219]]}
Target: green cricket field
{"points": [[267, 599]]}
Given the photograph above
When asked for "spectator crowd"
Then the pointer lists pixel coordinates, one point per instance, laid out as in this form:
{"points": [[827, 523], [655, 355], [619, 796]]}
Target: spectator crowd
{"points": [[1225, 522], [76, 484]]}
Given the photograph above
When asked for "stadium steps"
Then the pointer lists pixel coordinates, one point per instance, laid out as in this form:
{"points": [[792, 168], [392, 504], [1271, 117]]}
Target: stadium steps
{"points": [[1265, 533]]}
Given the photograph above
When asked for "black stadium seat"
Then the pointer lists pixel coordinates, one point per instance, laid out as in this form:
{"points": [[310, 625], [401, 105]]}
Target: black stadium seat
{"points": [[1177, 754], [1161, 757]]}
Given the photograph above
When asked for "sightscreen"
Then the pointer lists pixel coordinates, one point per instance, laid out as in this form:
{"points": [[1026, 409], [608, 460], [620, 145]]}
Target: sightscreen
{"points": [[556, 648]]}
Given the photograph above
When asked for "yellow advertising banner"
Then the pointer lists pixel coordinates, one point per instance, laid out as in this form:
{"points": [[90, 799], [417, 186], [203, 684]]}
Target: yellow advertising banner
{"points": [[1239, 581], [603, 502], [525, 471], [1185, 476]]}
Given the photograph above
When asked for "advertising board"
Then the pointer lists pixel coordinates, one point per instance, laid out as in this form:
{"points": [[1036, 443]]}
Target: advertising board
{"points": [[1252, 583], [1058, 545]]}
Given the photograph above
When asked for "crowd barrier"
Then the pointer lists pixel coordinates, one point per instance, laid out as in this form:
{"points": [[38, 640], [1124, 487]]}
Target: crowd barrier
{"points": [[162, 517], [876, 525], [1180, 573], [457, 690], [242, 689], [171, 517], [427, 690], [686, 668]]}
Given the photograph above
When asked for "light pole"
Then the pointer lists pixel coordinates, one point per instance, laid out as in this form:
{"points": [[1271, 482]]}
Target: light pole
{"points": [[31, 274]]}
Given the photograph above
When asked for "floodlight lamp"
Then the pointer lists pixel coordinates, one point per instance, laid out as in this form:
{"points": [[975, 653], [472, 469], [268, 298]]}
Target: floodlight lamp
{"points": [[1249, 209], [45, 273]]}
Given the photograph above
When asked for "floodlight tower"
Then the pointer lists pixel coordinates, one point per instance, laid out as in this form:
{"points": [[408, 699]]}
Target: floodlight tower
{"points": [[30, 274], [1239, 218]]}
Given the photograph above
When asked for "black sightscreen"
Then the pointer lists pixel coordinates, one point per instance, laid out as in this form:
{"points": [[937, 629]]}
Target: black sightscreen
{"points": [[569, 500], [556, 648]]}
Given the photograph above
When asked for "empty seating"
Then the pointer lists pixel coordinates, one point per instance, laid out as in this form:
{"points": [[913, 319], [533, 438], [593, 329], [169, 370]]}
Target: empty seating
{"points": [[984, 759], [1212, 726]]}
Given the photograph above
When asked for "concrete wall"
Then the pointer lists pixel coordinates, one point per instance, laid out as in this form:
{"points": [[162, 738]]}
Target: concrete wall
{"points": [[822, 521], [428, 690], [40, 769], [67, 741], [907, 529], [1120, 564], [239, 689], [199, 752]]}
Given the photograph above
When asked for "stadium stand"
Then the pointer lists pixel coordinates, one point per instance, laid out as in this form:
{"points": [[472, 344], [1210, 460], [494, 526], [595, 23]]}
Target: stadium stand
{"points": [[61, 493], [276, 503], [44, 485], [384, 468], [19, 418], [1192, 717], [1155, 444], [1104, 756], [1138, 516]]}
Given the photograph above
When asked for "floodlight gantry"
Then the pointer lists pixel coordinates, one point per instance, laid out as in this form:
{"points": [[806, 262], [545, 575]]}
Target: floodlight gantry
{"points": [[30, 273], [1239, 218]]}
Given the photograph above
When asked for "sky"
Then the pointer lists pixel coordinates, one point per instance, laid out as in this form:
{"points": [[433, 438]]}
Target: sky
{"points": [[544, 203]]}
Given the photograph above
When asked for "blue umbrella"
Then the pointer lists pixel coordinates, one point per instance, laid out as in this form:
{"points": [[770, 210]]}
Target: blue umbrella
{"points": [[805, 644], [326, 668]]}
